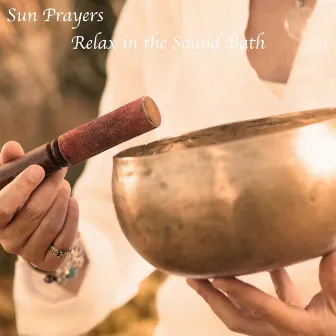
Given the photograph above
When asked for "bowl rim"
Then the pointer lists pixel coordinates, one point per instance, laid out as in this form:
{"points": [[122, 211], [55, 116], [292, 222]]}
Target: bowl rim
{"points": [[326, 115]]}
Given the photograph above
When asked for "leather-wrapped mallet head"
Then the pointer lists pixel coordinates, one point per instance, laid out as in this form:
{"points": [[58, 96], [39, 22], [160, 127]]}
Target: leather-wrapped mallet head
{"points": [[96, 136], [88, 140]]}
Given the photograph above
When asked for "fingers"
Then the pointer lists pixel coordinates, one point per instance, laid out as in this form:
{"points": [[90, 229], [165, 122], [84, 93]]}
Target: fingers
{"points": [[16, 193], [16, 234], [36, 247], [34, 215], [328, 280], [276, 312], [232, 317], [285, 288], [10, 151], [66, 238]]}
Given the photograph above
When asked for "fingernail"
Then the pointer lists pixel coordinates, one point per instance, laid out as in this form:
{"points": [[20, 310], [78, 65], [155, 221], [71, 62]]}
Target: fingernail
{"points": [[35, 173], [193, 284]]}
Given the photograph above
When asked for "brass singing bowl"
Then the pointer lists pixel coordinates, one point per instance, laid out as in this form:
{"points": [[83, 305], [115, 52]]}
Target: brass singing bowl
{"points": [[234, 199]]}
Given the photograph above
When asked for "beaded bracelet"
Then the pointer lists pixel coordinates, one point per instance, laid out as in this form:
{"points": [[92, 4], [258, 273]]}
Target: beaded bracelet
{"points": [[68, 270]]}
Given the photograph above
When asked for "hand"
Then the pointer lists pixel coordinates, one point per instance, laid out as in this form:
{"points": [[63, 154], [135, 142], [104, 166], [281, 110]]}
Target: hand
{"points": [[36, 212], [246, 310]]}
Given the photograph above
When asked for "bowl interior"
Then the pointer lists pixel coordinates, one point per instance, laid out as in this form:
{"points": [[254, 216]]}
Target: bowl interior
{"points": [[231, 132]]}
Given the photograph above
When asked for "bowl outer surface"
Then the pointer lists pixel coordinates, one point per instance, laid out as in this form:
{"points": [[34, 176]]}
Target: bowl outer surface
{"points": [[228, 209]]}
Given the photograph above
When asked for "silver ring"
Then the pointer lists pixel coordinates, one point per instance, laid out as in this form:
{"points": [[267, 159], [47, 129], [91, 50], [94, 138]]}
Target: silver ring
{"points": [[59, 254]]}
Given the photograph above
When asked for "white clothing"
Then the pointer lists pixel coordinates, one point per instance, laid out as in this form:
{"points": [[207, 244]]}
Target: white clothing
{"points": [[194, 89], [277, 88]]}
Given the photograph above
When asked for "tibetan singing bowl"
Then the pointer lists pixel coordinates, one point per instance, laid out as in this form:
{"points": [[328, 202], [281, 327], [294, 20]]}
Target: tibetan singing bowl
{"points": [[234, 199]]}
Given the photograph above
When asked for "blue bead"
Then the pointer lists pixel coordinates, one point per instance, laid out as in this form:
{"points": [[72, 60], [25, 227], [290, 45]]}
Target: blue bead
{"points": [[72, 273]]}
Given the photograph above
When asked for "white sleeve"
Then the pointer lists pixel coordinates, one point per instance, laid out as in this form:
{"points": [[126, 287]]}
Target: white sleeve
{"points": [[115, 270]]}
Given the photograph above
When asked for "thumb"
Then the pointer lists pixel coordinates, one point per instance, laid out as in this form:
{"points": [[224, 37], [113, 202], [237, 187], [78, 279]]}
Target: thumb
{"points": [[328, 279], [10, 151]]}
